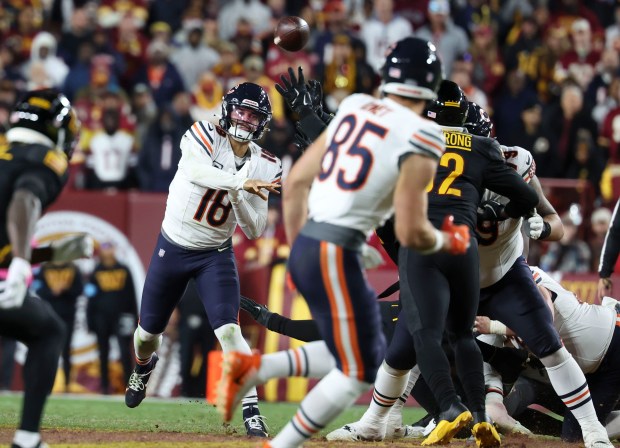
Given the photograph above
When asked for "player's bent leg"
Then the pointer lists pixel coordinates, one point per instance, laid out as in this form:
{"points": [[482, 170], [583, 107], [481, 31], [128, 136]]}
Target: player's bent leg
{"points": [[145, 345], [570, 384], [241, 372]]}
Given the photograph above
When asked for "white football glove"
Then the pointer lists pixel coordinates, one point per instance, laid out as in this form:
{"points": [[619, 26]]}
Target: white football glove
{"points": [[534, 226], [371, 257], [16, 284], [72, 247]]}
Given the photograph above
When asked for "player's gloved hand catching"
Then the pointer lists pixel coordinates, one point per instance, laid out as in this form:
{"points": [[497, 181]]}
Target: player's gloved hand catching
{"points": [[72, 247], [458, 236], [316, 94], [295, 92], [259, 312], [16, 284], [371, 257]]}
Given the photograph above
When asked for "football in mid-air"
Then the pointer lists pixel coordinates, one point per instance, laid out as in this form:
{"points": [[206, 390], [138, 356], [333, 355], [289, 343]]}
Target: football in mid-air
{"points": [[292, 33]]}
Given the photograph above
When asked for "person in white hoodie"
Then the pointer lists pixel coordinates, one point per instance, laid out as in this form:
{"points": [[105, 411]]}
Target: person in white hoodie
{"points": [[43, 53]]}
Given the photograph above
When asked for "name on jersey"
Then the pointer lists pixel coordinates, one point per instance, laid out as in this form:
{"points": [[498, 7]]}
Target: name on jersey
{"points": [[458, 140]]}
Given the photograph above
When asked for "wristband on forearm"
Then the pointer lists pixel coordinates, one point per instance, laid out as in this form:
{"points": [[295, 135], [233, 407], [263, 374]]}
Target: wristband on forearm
{"points": [[546, 231]]}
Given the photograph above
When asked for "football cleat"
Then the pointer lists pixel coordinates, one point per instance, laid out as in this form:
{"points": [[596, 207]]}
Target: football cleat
{"points": [[596, 437], [421, 428], [238, 374], [486, 435], [255, 426], [357, 432], [136, 388], [450, 422]]}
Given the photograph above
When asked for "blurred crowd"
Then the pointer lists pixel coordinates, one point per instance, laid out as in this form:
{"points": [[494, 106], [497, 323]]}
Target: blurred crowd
{"points": [[141, 72]]}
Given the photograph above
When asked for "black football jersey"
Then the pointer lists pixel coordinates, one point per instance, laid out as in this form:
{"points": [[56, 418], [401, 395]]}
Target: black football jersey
{"points": [[38, 168], [470, 165]]}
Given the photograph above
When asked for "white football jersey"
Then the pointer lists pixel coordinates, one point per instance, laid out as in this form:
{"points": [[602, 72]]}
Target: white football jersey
{"points": [[366, 140], [499, 248], [585, 329], [201, 218]]}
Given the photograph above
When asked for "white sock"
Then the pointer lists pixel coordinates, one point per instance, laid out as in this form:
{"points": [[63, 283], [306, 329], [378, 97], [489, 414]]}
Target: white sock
{"points": [[145, 344], [613, 425], [332, 395], [395, 415], [312, 360], [571, 386], [232, 340], [389, 386], [26, 439]]}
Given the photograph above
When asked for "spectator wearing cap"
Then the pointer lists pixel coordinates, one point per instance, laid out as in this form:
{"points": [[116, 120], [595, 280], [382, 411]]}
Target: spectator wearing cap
{"points": [[254, 12], [131, 44], [579, 63], [450, 40], [159, 74], [111, 310], [229, 71], [383, 29], [254, 70], [161, 31], [194, 58]]}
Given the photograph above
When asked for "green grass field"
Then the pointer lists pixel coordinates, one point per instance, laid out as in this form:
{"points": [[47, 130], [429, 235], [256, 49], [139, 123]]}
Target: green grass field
{"points": [[155, 415]]}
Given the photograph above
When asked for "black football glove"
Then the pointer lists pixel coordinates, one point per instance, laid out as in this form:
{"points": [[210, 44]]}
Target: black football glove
{"points": [[300, 139], [295, 92], [259, 312], [316, 94], [490, 211]]}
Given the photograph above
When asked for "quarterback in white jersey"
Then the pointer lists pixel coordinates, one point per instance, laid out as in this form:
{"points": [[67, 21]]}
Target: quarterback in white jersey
{"points": [[223, 179]]}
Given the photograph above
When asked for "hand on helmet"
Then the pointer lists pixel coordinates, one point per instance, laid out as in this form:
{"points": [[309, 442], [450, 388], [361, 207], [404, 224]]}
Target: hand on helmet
{"points": [[295, 92], [458, 236]]}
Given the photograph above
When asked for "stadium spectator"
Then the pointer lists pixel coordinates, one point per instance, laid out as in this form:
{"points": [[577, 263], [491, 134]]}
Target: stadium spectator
{"points": [[43, 51], [602, 92], [564, 120], [489, 68], [451, 41], [194, 58], [381, 30], [111, 310], [570, 254], [61, 285], [144, 109], [131, 44], [160, 32], [462, 72], [600, 219], [159, 74], [580, 61], [78, 30], [510, 101], [612, 32], [254, 12], [158, 158], [207, 97], [254, 70], [229, 71]]}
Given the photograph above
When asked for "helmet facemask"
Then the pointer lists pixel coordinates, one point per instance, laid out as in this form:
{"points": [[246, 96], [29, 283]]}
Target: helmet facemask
{"points": [[245, 123]]}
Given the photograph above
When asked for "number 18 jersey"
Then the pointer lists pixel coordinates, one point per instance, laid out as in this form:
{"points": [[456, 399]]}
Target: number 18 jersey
{"points": [[366, 141]]}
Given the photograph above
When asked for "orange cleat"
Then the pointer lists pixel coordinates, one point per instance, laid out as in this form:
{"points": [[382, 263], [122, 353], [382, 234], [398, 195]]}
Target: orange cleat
{"points": [[238, 372]]}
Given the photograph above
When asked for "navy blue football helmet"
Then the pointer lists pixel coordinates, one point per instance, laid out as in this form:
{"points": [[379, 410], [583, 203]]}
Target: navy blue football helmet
{"points": [[412, 69], [248, 96], [450, 107], [50, 113], [478, 121]]}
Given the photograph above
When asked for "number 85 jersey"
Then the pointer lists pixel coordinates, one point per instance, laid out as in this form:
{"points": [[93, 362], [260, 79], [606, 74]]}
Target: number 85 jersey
{"points": [[366, 141]]}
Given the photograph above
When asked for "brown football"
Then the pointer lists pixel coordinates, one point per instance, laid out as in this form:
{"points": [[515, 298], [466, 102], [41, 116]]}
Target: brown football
{"points": [[292, 33]]}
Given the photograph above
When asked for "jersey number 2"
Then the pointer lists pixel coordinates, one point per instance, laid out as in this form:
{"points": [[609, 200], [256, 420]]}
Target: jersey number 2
{"points": [[342, 137], [446, 186], [214, 218]]}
